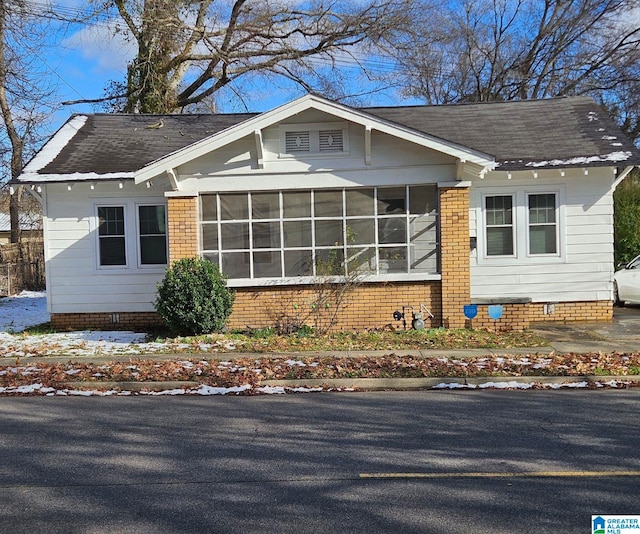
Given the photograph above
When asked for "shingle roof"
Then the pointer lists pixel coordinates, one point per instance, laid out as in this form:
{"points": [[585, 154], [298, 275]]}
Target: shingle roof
{"points": [[113, 143], [570, 131], [519, 134]]}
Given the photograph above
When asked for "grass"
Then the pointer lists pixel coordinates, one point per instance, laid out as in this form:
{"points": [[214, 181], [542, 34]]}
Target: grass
{"points": [[266, 340]]}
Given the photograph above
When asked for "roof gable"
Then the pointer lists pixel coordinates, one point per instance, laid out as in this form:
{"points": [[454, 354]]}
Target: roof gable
{"points": [[282, 113]]}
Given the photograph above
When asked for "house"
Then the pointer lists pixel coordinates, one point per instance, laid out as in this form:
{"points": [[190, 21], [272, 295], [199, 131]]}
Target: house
{"points": [[30, 227], [438, 207]]}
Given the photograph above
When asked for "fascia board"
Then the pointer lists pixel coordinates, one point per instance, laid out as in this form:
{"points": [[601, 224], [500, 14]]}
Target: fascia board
{"points": [[281, 113]]}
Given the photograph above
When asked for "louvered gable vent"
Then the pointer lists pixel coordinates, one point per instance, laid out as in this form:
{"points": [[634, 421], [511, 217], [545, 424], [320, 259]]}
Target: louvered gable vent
{"points": [[331, 141], [297, 142]]}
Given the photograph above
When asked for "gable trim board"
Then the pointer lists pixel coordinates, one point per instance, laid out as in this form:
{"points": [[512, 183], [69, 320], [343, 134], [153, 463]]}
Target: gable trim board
{"points": [[405, 193]]}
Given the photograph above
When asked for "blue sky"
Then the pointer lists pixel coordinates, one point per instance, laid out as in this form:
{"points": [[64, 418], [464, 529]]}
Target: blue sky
{"points": [[88, 57]]}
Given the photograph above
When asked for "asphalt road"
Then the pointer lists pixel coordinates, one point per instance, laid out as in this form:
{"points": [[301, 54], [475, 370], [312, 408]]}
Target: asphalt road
{"points": [[429, 462]]}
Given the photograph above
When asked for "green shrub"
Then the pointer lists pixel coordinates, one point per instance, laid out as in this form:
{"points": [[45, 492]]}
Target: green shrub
{"points": [[193, 297]]}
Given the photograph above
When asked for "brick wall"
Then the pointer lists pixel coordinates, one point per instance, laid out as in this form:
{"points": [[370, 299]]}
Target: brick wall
{"points": [[370, 306], [136, 321], [182, 218], [601, 310], [454, 254], [520, 316]]}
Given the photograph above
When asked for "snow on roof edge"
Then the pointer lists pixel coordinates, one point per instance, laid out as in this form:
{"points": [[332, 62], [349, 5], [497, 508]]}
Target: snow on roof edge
{"points": [[54, 146], [34, 177]]}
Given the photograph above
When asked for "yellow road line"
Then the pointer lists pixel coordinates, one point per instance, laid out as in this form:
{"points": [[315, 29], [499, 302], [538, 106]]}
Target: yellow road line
{"points": [[523, 474]]}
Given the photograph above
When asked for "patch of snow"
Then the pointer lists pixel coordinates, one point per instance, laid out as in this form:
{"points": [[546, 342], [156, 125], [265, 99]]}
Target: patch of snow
{"points": [[210, 390], [29, 308], [506, 385], [55, 145], [271, 390], [583, 160]]}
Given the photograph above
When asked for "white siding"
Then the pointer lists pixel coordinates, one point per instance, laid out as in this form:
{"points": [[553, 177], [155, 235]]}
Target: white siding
{"points": [[235, 167], [74, 283], [584, 270]]}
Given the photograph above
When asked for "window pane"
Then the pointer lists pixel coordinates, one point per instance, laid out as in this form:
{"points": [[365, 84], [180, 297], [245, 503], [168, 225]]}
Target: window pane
{"points": [[542, 239], [361, 259], [265, 205], [392, 230], [212, 257], [234, 207], [209, 207], [393, 260], [297, 234], [424, 243], [542, 208], [330, 262], [298, 263], [361, 232], [153, 250], [210, 236], [266, 235], [328, 203], [112, 251], [423, 199], [267, 265], [500, 241], [392, 200], [235, 235], [296, 204], [499, 210], [359, 202], [111, 220], [236, 264], [152, 220], [328, 233]]}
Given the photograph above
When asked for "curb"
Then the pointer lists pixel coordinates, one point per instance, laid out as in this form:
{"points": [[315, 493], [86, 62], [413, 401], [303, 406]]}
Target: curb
{"points": [[364, 384]]}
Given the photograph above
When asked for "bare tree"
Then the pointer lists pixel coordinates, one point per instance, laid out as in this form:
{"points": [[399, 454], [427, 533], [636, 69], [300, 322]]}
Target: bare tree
{"points": [[483, 50], [187, 50], [22, 94]]}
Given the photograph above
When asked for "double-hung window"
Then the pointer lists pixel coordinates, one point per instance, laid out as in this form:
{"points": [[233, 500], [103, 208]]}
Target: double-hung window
{"points": [[152, 235], [130, 232], [543, 227], [111, 235], [499, 225], [521, 224]]}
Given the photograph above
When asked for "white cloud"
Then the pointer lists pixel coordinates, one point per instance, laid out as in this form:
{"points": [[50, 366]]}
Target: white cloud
{"points": [[101, 45]]}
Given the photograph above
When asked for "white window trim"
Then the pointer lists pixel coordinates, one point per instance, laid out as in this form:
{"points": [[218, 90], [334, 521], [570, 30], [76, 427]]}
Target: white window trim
{"points": [[131, 239], [521, 225], [314, 132], [514, 231], [557, 253], [152, 266]]}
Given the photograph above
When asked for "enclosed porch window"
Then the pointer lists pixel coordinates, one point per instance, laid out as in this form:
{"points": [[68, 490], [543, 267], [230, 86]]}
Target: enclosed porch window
{"points": [[310, 233]]}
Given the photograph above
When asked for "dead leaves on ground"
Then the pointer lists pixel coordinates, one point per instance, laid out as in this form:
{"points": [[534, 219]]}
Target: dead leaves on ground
{"points": [[252, 371]]}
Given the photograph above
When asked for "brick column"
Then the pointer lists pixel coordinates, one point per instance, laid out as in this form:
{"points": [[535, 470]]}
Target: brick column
{"points": [[182, 222], [454, 254]]}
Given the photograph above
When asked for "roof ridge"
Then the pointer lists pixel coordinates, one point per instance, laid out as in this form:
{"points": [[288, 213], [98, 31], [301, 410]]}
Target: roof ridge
{"points": [[483, 103]]}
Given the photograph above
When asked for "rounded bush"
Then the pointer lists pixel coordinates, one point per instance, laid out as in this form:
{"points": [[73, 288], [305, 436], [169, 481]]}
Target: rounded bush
{"points": [[193, 297]]}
